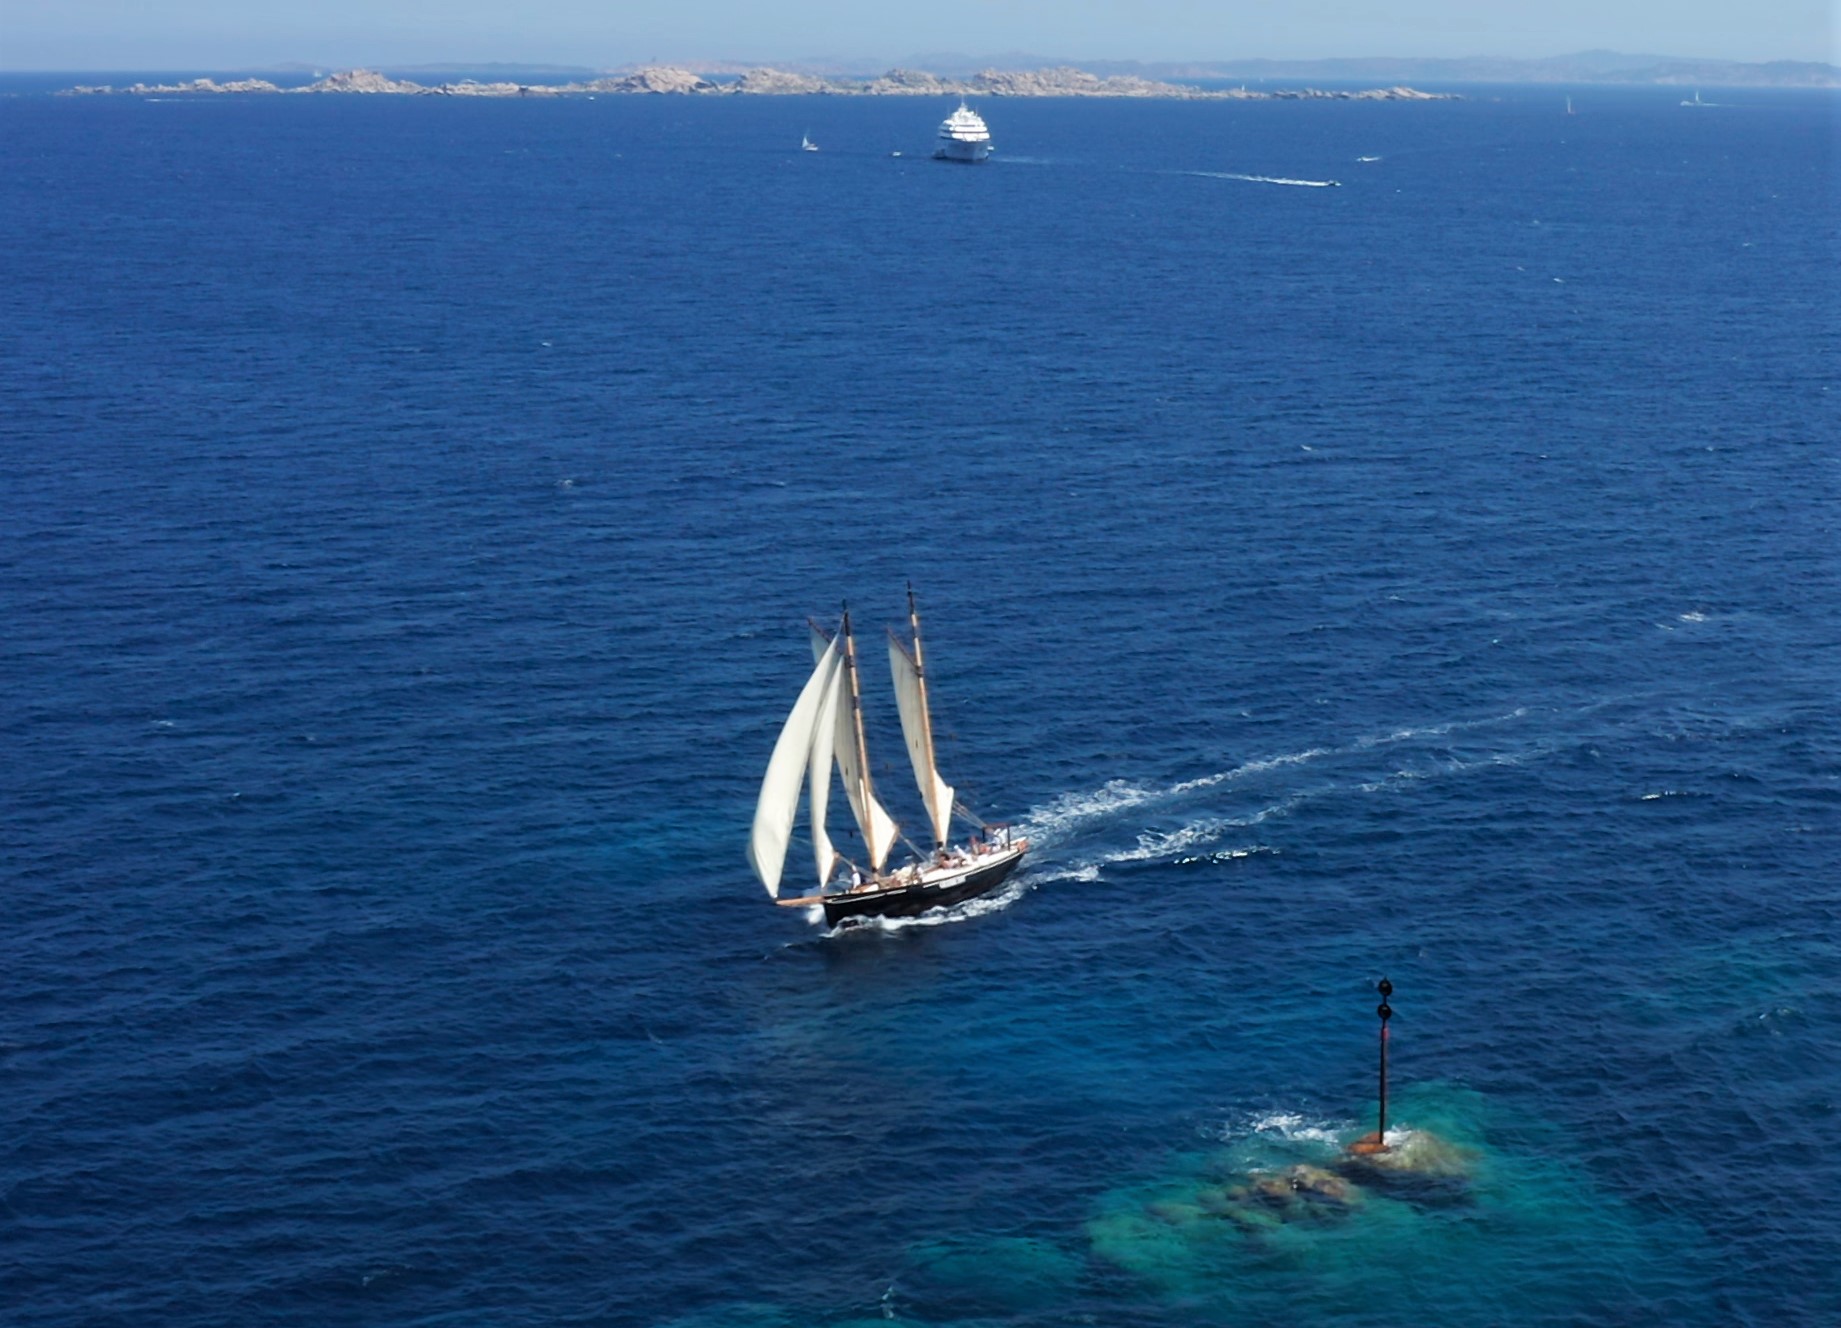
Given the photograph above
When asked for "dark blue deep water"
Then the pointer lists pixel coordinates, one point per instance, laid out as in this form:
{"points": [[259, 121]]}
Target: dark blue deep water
{"points": [[409, 513]]}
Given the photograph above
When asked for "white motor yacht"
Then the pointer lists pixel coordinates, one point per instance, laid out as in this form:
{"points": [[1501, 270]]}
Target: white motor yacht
{"points": [[963, 137]]}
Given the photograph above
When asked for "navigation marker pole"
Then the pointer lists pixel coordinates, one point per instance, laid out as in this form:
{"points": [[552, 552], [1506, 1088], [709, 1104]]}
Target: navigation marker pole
{"points": [[1386, 1012], [1370, 1144]]}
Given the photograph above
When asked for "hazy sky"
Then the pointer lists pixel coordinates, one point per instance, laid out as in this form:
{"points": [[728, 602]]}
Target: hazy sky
{"points": [[228, 34]]}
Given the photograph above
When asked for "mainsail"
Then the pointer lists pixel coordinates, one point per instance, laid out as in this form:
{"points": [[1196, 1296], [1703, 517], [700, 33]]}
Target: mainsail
{"points": [[878, 827], [917, 726], [823, 731], [799, 739]]}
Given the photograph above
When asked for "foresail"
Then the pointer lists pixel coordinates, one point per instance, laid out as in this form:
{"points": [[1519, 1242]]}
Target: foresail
{"points": [[878, 827], [773, 814], [917, 728]]}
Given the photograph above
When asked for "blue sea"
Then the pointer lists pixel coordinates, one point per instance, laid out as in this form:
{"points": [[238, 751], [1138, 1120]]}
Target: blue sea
{"points": [[1354, 540]]}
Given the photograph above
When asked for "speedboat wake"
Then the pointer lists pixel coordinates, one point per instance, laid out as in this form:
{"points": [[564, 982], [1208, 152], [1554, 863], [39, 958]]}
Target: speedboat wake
{"points": [[1265, 179]]}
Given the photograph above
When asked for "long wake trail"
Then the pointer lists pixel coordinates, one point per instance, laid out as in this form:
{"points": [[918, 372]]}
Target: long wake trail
{"points": [[1265, 179], [1078, 835]]}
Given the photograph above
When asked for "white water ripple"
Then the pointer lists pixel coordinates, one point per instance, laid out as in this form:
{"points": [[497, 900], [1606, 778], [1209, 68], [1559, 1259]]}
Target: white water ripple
{"points": [[1072, 815], [1265, 179]]}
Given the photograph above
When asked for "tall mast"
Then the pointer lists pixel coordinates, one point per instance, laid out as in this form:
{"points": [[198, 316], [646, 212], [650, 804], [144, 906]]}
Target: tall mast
{"points": [[917, 723], [920, 677], [856, 709], [852, 751]]}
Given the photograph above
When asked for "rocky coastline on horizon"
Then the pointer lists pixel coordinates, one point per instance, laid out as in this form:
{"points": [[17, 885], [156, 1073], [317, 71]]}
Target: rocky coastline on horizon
{"points": [[670, 81]]}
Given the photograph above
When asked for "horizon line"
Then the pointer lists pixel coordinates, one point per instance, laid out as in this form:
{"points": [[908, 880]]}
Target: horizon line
{"points": [[917, 61]]}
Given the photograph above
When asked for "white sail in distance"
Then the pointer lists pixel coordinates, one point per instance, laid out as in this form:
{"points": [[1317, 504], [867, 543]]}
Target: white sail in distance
{"points": [[779, 801], [917, 728], [878, 827]]}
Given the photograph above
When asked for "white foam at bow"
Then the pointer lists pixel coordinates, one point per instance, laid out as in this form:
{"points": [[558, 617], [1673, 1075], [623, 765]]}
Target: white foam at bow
{"points": [[995, 902]]}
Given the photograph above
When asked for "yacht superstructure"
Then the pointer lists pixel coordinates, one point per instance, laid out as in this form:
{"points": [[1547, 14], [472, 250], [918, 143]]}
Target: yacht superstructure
{"points": [[963, 137]]}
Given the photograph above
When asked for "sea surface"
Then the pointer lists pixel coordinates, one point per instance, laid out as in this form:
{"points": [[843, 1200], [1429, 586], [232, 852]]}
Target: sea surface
{"points": [[1354, 540]]}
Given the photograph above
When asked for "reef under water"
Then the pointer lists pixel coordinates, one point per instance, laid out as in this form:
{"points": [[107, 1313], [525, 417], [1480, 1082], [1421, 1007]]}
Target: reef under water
{"points": [[1472, 1216], [1467, 1218]]}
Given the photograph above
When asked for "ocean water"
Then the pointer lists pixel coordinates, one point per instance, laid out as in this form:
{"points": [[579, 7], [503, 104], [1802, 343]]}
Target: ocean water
{"points": [[410, 511]]}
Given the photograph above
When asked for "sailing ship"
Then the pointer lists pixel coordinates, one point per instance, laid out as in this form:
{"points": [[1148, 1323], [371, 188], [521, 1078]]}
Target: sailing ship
{"points": [[825, 729], [806, 144]]}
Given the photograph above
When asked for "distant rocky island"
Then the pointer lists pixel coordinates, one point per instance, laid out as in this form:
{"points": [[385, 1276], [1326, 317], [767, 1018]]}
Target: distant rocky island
{"points": [[670, 81], [1580, 69]]}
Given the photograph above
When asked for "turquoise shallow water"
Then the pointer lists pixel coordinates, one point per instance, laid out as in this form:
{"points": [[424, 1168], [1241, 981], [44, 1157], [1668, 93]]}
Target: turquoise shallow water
{"points": [[411, 510], [1525, 1231]]}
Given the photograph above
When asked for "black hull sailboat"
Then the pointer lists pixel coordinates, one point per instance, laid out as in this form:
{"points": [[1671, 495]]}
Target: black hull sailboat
{"points": [[900, 897], [826, 729]]}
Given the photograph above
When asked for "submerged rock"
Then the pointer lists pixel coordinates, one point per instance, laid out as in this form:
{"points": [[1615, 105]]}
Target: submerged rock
{"points": [[1258, 1204], [1284, 1225], [1320, 1186], [1297, 1193], [1416, 1165]]}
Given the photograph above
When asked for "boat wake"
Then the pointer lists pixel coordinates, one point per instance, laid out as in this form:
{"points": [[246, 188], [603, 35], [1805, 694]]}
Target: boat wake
{"points": [[1218, 818], [1081, 871], [1250, 768], [1077, 834], [1185, 844], [1265, 179]]}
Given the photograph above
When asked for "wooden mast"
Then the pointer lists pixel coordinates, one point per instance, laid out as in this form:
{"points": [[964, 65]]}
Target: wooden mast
{"points": [[856, 717], [926, 707]]}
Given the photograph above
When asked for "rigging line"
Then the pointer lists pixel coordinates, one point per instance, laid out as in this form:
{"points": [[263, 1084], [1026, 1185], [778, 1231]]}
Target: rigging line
{"points": [[952, 742]]}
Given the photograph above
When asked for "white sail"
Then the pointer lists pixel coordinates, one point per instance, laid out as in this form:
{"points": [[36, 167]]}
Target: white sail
{"points": [[824, 731], [773, 814], [878, 827], [917, 728]]}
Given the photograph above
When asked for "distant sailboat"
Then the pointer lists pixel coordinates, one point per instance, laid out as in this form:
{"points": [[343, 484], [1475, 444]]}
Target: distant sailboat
{"points": [[826, 728], [1569, 105], [1696, 100], [806, 144]]}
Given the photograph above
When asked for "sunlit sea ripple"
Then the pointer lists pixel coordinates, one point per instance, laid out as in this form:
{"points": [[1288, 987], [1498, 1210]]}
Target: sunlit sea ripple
{"points": [[411, 507]]}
